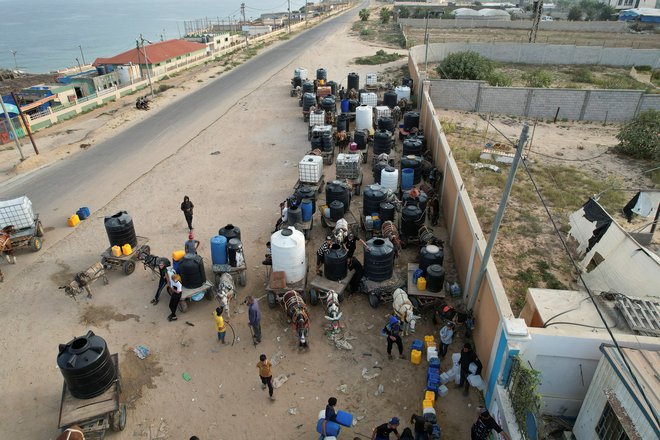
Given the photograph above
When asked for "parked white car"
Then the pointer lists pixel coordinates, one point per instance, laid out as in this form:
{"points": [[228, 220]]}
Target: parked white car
{"points": [[546, 18]]}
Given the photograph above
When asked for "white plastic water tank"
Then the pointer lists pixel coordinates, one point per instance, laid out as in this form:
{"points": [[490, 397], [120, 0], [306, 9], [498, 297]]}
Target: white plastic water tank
{"points": [[372, 79], [390, 179], [124, 74], [363, 117], [288, 251], [370, 99], [402, 92], [299, 72]]}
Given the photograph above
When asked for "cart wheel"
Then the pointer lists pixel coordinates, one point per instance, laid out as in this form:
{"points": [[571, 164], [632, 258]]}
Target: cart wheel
{"points": [[146, 249], [118, 419], [272, 302], [35, 243], [373, 300], [323, 222], [292, 93], [40, 229], [415, 302], [183, 306], [104, 263], [340, 297], [129, 267], [364, 157], [357, 190], [313, 297], [242, 278]]}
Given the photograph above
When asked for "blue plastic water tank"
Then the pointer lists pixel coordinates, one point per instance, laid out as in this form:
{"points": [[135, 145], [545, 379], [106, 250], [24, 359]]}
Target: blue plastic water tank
{"points": [[219, 249], [344, 105], [407, 178], [307, 208]]}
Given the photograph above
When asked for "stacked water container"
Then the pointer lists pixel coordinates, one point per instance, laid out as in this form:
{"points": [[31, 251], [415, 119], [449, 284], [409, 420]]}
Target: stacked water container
{"points": [[331, 428]]}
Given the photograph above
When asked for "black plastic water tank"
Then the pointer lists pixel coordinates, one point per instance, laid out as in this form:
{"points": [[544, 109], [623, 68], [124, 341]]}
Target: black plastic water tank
{"points": [[412, 218], [296, 81], [377, 169], [333, 87], [329, 104], [414, 162], [294, 215], [307, 192], [386, 211], [336, 210], [353, 104], [390, 98], [321, 74], [192, 271], [372, 197], [234, 246], [309, 99], [86, 365], [379, 261], [407, 82], [382, 142], [334, 264], [120, 230], [435, 278], [308, 87], [412, 146], [420, 200], [342, 122], [386, 123], [337, 190], [230, 231], [410, 120], [430, 254], [353, 81], [360, 137]]}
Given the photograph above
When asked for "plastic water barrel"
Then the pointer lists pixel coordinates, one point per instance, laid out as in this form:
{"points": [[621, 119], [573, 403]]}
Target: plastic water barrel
{"points": [[390, 98], [294, 215], [334, 263], [435, 278], [430, 254], [234, 246], [192, 271], [307, 210], [407, 178], [219, 249], [344, 105], [331, 428], [386, 211], [344, 418], [230, 231], [353, 81], [120, 230], [390, 178], [379, 261], [364, 117], [321, 74], [336, 210]]}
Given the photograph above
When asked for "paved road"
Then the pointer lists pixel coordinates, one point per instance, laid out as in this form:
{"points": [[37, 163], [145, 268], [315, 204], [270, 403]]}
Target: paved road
{"points": [[97, 176]]}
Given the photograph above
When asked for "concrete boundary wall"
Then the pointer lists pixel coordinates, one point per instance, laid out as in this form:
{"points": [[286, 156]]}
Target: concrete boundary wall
{"points": [[576, 26]]}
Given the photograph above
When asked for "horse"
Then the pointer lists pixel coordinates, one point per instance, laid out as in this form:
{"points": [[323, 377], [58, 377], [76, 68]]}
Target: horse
{"points": [[403, 309], [225, 291], [73, 432], [390, 232], [332, 312], [296, 310], [6, 248]]}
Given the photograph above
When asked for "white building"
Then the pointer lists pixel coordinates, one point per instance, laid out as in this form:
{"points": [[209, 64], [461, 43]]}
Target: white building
{"points": [[621, 5]]}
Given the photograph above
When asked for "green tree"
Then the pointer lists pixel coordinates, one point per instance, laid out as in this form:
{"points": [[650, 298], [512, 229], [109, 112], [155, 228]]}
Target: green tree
{"points": [[575, 14], [385, 14], [364, 14], [465, 65], [606, 12], [404, 12], [639, 137]]}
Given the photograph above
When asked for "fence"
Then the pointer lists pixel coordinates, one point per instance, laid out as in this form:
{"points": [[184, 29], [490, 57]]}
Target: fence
{"points": [[567, 26]]}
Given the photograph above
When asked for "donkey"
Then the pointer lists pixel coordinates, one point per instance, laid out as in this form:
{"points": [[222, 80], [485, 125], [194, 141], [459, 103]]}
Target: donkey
{"points": [[73, 432], [341, 231], [403, 309], [224, 292], [390, 232], [6, 248], [332, 312], [296, 310]]}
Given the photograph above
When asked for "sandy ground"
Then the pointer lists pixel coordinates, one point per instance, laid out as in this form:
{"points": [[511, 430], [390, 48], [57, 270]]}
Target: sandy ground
{"points": [[255, 169]]}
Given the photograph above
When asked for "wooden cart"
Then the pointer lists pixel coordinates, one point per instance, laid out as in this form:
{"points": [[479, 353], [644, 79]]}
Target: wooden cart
{"points": [[96, 415], [205, 291], [304, 227], [239, 273], [277, 287], [422, 299], [29, 237], [318, 186], [320, 286], [381, 291], [125, 262]]}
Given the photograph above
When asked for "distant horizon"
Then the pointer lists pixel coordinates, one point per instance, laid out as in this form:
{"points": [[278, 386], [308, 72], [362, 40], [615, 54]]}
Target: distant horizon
{"points": [[55, 33]]}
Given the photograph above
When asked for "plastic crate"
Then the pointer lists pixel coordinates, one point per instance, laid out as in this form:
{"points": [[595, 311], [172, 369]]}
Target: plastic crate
{"points": [[310, 169], [16, 212]]}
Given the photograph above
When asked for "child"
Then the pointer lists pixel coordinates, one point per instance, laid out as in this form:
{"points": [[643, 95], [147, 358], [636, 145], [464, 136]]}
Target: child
{"points": [[219, 323], [265, 374]]}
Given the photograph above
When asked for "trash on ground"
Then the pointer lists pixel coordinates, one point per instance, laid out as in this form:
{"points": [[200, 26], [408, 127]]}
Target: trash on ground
{"points": [[186, 377], [293, 411], [142, 351], [280, 380], [367, 376]]}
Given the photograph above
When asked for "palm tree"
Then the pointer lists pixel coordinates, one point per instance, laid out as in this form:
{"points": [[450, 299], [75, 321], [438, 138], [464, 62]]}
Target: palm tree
{"points": [[364, 14], [385, 15]]}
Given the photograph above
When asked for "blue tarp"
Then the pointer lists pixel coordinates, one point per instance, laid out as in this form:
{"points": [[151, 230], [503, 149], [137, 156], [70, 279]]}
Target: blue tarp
{"points": [[644, 15], [11, 108]]}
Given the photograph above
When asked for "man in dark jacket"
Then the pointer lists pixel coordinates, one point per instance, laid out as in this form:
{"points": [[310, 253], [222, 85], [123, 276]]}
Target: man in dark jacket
{"points": [[254, 319], [163, 280], [187, 208], [468, 356], [393, 332], [484, 425]]}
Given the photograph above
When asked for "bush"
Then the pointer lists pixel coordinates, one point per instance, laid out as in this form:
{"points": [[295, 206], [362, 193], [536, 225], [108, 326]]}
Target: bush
{"points": [[500, 79], [639, 137], [575, 14], [364, 14], [465, 65], [538, 78], [583, 75]]}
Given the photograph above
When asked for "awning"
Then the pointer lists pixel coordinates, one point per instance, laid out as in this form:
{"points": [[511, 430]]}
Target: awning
{"points": [[11, 108]]}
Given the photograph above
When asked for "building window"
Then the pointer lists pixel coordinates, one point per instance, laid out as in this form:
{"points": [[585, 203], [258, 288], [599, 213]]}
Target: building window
{"points": [[609, 427]]}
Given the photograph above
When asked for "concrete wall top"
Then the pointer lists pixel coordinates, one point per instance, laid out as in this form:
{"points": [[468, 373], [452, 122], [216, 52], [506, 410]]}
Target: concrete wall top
{"points": [[578, 26]]}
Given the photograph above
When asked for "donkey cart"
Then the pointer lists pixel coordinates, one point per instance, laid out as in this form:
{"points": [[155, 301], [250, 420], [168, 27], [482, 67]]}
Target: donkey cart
{"points": [[125, 262]]}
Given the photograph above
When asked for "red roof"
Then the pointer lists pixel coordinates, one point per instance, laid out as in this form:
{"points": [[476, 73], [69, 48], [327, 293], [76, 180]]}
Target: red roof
{"points": [[156, 53]]}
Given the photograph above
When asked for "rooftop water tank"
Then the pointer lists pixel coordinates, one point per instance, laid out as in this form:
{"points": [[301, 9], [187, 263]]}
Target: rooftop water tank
{"points": [[192, 271], [334, 263]]}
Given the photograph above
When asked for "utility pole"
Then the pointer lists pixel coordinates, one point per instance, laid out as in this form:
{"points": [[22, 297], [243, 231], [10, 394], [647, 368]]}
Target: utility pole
{"points": [[146, 62], [11, 127], [82, 55], [289, 9], [247, 43], [78, 61], [25, 122], [498, 218], [13, 52], [536, 19]]}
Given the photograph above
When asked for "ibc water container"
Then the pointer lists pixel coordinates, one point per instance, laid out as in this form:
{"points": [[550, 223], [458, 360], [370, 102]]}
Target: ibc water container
{"points": [[420, 200], [307, 209], [390, 98], [435, 278], [412, 146], [321, 74], [386, 211], [336, 210], [219, 249], [120, 230], [412, 218], [407, 178], [360, 138], [429, 255], [192, 271], [379, 261], [390, 178], [364, 118], [353, 81], [402, 92], [382, 142], [338, 190], [86, 365], [410, 120], [373, 196], [377, 170], [386, 123], [414, 163], [334, 264], [288, 254], [308, 100], [234, 248], [342, 122], [308, 87], [230, 231]]}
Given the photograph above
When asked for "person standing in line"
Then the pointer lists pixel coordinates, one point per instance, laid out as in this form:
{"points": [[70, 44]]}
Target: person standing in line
{"points": [[446, 338], [484, 425], [350, 244], [468, 356], [266, 375], [321, 253], [163, 280], [187, 208], [191, 245], [220, 323], [175, 296], [382, 432], [354, 264], [393, 332], [254, 319]]}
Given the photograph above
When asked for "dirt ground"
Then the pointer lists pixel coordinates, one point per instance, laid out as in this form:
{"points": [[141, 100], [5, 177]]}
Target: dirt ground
{"points": [[223, 399]]}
